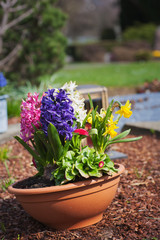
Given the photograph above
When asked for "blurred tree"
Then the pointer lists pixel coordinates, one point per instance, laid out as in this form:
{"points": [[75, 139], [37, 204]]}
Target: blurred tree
{"points": [[31, 43]]}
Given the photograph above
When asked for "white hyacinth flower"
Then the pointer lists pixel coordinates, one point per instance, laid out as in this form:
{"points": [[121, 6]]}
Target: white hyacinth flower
{"points": [[77, 101]]}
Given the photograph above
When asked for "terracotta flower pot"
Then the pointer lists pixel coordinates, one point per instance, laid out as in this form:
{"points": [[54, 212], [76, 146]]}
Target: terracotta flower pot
{"points": [[70, 206]]}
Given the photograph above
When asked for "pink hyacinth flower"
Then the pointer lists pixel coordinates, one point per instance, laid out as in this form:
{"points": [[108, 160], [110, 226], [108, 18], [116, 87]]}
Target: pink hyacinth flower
{"points": [[30, 114]]}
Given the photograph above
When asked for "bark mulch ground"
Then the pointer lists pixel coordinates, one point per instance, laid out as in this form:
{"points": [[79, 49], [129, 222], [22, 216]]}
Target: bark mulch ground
{"points": [[133, 214]]}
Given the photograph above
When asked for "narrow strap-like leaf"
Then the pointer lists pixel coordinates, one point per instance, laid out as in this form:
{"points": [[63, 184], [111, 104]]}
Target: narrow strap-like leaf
{"points": [[85, 120], [55, 141], [44, 139], [93, 111], [29, 149], [90, 101], [127, 140], [121, 135], [119, 138], [109, 112], [40, 147], [35, 128]]}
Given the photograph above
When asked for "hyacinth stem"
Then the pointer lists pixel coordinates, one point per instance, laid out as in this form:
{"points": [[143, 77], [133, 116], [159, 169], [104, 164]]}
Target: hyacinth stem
{"points": [[48, 171]]}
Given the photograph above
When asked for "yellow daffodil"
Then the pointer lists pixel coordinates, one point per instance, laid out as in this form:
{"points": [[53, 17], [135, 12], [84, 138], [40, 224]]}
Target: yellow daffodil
{"points": [[112, 133], [89, 120], [112, 123], [100, 116], [110, 127], [125, 110]]}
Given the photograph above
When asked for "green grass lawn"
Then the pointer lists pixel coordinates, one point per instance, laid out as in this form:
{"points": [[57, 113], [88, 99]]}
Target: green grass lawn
{"points": [[110, 75]]}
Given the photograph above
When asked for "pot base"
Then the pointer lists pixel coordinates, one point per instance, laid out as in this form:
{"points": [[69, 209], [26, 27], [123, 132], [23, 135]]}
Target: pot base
{"points": [[80, 224]]}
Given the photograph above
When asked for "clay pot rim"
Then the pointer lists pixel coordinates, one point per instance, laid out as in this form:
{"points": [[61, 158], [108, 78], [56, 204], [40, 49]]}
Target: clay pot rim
{"points": [[32, 191]]}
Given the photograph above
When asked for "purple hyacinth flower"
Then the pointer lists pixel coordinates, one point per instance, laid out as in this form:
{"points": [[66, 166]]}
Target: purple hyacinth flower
{"points": [[56, 109]]}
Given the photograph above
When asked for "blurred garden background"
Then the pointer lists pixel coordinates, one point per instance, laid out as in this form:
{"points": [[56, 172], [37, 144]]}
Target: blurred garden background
{"points": [[110, 43], [45, 43]]}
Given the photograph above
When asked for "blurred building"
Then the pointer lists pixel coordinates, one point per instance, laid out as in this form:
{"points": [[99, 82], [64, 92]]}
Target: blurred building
{"points": [[89, 19]]}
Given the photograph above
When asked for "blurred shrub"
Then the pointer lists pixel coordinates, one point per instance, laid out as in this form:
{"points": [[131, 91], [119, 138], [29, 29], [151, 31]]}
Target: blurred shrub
{"points": [[43, 44], [90, 53], [128, 50], [140, 32], [13, 108], [143, 55], [137, 44], [122, 53]]}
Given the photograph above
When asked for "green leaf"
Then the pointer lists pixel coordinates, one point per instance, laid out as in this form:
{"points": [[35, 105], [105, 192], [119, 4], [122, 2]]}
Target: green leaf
{"points": [[33, 143], [35, 128], [84, 158], [74, 171], [85, 120], [121, 135], [106, 169], [95, 173], [59, 176], [93, 131], [70, 154], [49, 152], [91, 164], [127, 140], [66, 147], [109, 164], [43, 137], [108, 113], [83, 173], [66, 163], [40, 147], [90, 101], [29, 149], [55, 141], [69, 175]]}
